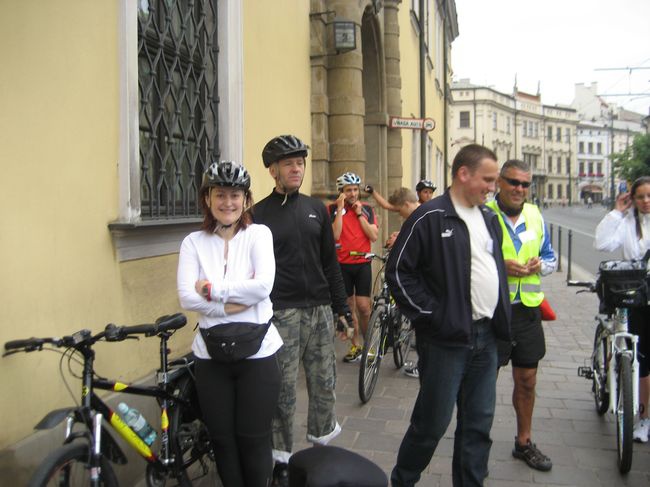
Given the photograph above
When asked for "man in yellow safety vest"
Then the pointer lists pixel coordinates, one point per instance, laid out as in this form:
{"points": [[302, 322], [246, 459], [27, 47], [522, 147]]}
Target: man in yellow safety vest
{"points": [[528, 254]]}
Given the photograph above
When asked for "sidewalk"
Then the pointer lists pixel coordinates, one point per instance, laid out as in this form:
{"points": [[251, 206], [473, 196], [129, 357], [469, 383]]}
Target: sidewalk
{"points": [[581, 444]]}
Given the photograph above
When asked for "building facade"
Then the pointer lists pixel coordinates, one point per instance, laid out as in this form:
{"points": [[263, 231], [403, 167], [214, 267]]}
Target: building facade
{"points": [[605, 129], [519, 126], [109, 124]]}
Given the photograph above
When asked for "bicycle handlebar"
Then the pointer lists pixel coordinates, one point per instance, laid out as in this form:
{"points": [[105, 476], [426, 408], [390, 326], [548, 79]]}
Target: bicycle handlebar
{"points": [[369, 255], [111, 333], [163, 324]]}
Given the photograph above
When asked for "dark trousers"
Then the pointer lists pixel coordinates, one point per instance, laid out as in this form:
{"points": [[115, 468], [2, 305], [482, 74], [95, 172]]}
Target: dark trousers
{"points": [[237, 401], [465, 376]]}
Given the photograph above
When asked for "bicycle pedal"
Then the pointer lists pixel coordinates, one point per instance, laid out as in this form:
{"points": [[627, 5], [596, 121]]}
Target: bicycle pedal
{"points": [[585, 372]]}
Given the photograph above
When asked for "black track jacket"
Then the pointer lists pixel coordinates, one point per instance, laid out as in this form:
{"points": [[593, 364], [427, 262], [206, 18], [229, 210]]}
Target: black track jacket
{"points": [[428, 273], [306, 270]]}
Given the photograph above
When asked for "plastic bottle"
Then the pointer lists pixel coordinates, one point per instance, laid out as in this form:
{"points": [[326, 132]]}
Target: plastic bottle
{"points": [[137, 422]]}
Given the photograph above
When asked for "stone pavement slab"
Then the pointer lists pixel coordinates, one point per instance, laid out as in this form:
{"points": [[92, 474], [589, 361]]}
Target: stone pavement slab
{"points": [[581, 444]]}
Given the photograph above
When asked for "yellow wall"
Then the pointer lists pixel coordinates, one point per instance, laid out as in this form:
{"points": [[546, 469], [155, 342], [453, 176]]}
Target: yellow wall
{"points": [[410, 74], [59, 126], [276, 81]]}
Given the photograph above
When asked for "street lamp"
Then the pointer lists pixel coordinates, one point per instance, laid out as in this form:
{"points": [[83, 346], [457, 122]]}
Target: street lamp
{"points": [[345, 35]]}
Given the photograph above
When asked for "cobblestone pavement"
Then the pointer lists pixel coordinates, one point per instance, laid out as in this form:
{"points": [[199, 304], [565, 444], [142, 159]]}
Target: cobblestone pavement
{"points": [[581, 444]]}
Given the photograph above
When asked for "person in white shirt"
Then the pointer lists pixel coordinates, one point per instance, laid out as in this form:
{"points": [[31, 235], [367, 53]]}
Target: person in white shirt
{"points": [[627, 227], [225, 274]]}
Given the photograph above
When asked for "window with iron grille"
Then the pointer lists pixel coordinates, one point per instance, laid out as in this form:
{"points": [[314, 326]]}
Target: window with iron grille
{"points": [[178, 103]]}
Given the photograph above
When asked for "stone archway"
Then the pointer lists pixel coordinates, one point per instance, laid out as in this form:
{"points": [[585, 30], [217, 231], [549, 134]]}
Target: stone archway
{"points": [[352, 95], [376, 115]]}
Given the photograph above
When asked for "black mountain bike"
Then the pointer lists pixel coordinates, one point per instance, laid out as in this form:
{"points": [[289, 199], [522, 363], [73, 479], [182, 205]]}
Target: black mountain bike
{"points": [[85, 458], [386, 327]]}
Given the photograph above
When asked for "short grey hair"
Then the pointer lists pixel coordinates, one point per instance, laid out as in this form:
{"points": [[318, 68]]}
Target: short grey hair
{"points": [[515, 163]]}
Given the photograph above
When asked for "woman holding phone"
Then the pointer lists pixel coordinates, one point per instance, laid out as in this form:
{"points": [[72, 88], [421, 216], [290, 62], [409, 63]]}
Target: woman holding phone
{"points": [[627, 227]]}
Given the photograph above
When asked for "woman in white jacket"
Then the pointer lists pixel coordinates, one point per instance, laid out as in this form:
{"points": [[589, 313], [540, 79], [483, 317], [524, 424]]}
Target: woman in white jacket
{"points": [[628, 227], [225, 274]]}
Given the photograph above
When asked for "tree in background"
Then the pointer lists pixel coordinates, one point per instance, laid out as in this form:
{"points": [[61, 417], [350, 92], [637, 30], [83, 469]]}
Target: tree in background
{"points": [[634, 161]]}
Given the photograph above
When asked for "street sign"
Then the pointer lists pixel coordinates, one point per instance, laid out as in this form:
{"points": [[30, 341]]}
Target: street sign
{"points": [[426, 124]]}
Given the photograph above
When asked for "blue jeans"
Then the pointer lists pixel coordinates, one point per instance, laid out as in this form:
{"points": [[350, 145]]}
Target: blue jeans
{"points": [[465, 376]]}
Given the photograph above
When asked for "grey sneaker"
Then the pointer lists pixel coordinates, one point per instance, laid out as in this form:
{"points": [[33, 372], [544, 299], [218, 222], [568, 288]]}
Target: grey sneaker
{"points": [[411, 370], [530, 454], [641, 430]]}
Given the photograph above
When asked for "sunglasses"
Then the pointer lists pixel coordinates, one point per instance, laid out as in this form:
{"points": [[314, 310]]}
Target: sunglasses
{"points": [[516, 182]]}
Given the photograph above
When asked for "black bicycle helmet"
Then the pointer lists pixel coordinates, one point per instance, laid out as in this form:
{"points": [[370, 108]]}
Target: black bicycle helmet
{"points": [[425, 184], [226, 173], [282, 147]]}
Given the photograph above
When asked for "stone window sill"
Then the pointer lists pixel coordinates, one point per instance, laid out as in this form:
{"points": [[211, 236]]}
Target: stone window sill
{"points": [[150, 238]]}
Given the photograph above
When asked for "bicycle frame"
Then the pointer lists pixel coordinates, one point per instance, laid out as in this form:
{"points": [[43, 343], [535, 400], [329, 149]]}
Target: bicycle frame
{"points": [[93, 410], [621, 342]]}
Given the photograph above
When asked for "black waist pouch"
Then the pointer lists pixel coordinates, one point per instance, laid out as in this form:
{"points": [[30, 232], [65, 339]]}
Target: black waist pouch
{"points": [[234, 341]]}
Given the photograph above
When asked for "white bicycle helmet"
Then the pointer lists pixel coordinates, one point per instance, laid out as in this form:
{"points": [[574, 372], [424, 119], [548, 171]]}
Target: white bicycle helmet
{"points": [[226, 173], [346, 179]]}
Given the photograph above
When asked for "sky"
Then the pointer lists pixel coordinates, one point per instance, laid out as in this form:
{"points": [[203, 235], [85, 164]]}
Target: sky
{"points": [[557, 43]]}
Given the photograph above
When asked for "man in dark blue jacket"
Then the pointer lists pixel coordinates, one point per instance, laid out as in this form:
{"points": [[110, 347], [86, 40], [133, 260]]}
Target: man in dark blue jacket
{"points": [[447, 274]]}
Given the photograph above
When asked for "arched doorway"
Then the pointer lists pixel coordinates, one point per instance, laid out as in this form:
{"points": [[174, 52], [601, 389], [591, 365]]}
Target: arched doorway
{"points": [[376, 115]]}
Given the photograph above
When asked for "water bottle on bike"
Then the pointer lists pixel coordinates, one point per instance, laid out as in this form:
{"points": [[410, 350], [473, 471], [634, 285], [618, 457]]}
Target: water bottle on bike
{"points": [[137, 422]]}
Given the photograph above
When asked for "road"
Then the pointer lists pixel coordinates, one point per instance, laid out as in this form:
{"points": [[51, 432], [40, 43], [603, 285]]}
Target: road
{"points": [[582, 221]]}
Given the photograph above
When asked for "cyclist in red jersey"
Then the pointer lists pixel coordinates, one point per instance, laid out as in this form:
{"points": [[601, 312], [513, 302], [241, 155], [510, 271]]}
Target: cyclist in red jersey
{"points": [[355, 228]]}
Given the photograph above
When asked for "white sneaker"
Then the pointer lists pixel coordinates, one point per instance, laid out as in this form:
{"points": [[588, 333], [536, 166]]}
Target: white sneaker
{"points": [[641, 430]]}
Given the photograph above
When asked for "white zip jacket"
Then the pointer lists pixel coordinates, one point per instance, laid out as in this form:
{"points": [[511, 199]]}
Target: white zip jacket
{"points": [[246, 278], [618, 229]]}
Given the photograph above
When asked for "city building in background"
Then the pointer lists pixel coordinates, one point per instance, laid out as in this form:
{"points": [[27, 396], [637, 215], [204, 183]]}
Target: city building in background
{"points": [[604, 129], [519, 126]]}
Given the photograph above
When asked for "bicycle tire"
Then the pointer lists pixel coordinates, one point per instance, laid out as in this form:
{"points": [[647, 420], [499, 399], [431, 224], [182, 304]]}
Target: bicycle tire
{"points": [[402, 332], [372, 353], [68, 466], [189, 442], [624, 414], [599, 368]]}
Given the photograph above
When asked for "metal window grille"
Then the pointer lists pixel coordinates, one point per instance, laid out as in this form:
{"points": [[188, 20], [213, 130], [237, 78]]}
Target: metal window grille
{"points": [[177, 83]]}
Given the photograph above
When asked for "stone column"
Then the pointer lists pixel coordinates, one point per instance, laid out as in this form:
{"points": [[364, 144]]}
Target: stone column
{"points": [[319, 101], [393, 99], [346, 103]]}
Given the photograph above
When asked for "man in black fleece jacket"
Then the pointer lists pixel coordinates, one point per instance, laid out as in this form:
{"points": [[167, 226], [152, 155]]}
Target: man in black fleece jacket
{"points": [[308, 284], [447, 274]]}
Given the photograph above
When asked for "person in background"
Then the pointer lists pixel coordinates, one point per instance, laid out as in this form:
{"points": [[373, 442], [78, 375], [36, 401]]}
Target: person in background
{"points": [[308, 288], [355, 228], [447, 275], [424, 190], [225, 274], [627, 227], [528, 255]]}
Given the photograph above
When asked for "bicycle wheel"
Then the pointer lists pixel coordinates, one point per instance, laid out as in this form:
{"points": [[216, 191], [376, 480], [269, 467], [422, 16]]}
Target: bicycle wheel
{"points": [[624, 414], [372, 353], [599, 368], [68, 466], [189, 443], [402, 334]]}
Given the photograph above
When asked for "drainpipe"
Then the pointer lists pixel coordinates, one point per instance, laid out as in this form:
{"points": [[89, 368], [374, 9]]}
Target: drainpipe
{"points": [[447, 94], [423, 106]]}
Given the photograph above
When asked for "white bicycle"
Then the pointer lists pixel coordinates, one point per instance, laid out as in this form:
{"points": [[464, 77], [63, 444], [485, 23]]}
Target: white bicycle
{"points": [[614, 369]]}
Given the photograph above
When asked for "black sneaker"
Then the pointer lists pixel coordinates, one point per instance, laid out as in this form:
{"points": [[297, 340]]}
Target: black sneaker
{"points": [[280, 475], [530, 454]]}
